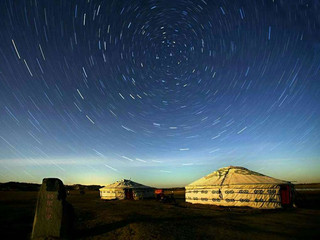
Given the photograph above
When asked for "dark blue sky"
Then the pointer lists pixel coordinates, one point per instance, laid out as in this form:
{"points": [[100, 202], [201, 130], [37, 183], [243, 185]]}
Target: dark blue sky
{"points": [[162, 92]]}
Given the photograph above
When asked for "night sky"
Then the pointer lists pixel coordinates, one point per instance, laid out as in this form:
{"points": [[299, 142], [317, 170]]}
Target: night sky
{"points": [[162, 92]]}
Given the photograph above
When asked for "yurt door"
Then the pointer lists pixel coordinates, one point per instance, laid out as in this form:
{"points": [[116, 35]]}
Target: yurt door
{"points": [[129, 194], [285, 195]]}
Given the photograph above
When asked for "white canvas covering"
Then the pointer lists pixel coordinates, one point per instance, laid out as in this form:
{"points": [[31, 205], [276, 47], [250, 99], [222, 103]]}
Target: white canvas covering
{"points": [[236, 186], [117, 190]]}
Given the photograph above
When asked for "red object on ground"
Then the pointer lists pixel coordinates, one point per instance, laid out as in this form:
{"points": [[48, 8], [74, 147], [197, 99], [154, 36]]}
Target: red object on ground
{"points": [[159, 191], [159, 194]]}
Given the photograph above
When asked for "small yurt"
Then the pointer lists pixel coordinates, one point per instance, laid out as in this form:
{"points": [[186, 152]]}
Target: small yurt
{"points": [[126, 189], [238, 186]]}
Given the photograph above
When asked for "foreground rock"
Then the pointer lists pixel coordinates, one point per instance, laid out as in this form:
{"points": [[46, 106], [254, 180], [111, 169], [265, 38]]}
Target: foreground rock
{"points": [[54, 215]]}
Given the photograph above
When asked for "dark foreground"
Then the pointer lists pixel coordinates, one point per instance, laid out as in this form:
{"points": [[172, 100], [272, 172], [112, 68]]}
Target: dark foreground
{"points": [[149, 219]]}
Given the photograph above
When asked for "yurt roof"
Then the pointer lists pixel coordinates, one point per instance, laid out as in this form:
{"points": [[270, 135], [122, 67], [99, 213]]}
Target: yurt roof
{"points": [[235, 176], [125, 183]]}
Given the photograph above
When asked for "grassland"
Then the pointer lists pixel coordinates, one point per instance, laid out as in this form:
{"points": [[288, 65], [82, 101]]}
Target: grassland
{"points": [[149, 219]]}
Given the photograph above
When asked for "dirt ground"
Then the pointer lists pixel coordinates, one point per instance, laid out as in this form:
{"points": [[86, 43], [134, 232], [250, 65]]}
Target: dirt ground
{"points": [[149, 219]]}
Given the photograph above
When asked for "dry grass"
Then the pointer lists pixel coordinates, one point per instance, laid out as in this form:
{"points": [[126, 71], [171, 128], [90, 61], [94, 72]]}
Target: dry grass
{"points": [[149, 219]]}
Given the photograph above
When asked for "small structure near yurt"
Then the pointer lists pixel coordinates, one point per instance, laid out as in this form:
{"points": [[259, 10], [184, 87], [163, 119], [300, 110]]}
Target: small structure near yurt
{"points": [[126, 189], [238, 186], [54, 215]]}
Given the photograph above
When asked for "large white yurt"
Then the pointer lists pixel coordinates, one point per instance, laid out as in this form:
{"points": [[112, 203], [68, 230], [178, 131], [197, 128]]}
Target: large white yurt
{"points": [[238, 186], [126, 189]]}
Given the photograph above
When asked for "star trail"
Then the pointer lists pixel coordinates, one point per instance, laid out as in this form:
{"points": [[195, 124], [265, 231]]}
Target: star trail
{"points": [[94, 91]]}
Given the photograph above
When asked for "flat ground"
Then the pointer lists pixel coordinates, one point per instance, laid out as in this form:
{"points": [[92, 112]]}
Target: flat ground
{"points": [[149, 219]]}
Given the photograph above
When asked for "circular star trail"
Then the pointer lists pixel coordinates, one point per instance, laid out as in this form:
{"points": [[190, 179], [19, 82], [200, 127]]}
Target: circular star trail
{"points": [[157, 86]]}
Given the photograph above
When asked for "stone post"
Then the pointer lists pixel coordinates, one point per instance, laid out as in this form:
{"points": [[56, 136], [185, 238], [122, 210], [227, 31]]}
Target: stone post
{"points": [[54, 215]]}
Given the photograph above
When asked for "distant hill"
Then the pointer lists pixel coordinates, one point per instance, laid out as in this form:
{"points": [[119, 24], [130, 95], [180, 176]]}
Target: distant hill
{"points": [[307, 185], [83, 187], [18, 186]]}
